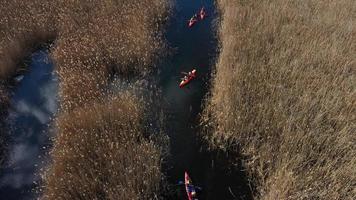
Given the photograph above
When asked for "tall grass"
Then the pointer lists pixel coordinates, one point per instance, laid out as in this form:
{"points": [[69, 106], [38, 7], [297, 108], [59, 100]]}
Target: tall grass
{"points": [[92, 38], [22, 26], [116, 161], [284, 92], [100, 153], [104, 37]]}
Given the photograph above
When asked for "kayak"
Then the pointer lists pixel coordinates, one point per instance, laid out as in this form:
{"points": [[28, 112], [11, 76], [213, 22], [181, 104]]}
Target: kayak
{"points": [[192, 22], [188, 187], [190, 78]]}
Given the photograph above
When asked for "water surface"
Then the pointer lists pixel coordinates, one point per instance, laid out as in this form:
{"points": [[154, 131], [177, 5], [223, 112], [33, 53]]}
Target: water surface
{"points": [[195, 48], [33, 104]]}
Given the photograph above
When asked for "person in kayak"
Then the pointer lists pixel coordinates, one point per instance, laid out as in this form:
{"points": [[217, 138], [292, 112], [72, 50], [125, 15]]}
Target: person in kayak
{"points": [[187, 78], [187, 75], [193, 19], [191, 189], [184, 78], [202, 13]]}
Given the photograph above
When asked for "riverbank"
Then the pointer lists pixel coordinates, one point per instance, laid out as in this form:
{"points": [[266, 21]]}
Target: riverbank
{"points": [[283, 96]]}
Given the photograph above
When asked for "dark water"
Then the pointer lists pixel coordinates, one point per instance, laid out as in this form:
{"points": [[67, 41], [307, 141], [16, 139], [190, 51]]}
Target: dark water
{"points": [[33, 104], [195, 47]]}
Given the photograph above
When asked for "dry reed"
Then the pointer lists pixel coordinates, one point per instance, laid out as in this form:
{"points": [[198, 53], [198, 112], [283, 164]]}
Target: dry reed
{"points": [[114, 36], [23, 25], [107, 37], [100, 153], [284, 91]]}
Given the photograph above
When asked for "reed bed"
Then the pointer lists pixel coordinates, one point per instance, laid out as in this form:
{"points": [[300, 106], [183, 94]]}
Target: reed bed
{"points": [[284, 94], [100, 151], [23, 25], [121, 37]]}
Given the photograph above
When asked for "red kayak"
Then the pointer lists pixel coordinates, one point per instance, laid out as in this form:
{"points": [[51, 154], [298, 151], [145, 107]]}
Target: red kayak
{"points": [[189, 187], [188, 78]]}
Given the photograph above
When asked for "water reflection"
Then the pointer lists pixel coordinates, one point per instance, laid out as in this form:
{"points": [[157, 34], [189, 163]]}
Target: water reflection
{"points": [[33, 104]]}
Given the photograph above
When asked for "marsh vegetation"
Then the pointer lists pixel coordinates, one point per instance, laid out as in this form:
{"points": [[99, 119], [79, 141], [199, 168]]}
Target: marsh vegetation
{"points": [[99, 141], [100, 153], [283, 96]]}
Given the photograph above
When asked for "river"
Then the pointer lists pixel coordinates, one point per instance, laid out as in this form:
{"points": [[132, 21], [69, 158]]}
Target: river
{"points": [[194, 48]]}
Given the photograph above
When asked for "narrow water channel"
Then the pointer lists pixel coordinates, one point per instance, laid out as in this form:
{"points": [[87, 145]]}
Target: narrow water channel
{"points": [[33, 104], [195, 48]]}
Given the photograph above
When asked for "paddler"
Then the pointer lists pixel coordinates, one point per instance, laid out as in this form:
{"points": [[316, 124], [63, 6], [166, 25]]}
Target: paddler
{"points": [[194, 18], [191, 189], [202, 13]]}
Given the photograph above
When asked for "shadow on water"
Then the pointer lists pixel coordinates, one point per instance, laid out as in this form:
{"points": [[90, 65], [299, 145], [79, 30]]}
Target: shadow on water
{"points": [[33, 104], [225, 180], [194, 48]]}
